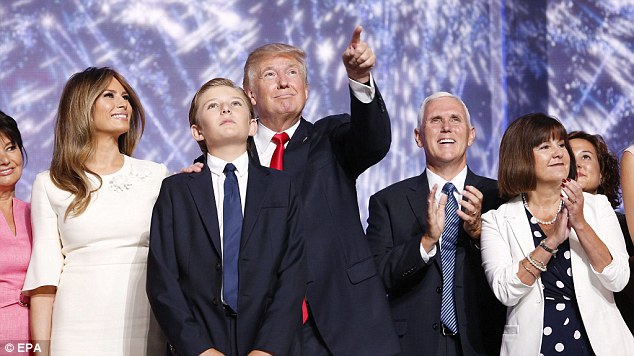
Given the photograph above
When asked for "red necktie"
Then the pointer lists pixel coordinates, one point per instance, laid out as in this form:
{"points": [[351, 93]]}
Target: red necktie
{"points": [[277, 162]]}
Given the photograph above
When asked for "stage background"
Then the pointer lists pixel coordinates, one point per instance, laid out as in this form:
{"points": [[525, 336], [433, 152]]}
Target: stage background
{"points": [[572, 59]]}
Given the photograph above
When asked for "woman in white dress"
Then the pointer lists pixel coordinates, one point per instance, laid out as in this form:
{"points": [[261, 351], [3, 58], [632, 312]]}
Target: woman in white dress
{"points": [[91, 217]]}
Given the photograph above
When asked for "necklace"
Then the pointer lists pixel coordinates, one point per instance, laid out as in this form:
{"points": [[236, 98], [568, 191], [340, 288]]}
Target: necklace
{"points": [[549, 222]]}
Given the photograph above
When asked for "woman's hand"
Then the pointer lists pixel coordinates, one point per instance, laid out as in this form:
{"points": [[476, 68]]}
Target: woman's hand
{"points": [[573, 202], [561, 230]]}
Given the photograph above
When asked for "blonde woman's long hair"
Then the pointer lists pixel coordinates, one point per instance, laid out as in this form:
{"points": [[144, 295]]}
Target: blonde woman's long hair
{"points": [[75, 138]]}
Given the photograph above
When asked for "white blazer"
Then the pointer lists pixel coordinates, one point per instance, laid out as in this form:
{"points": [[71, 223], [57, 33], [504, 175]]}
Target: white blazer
{"points": [[506, 239]]}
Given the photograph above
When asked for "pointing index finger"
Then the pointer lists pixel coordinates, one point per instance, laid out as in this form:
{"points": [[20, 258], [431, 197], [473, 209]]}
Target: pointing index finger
{"points": [[356, 35]]}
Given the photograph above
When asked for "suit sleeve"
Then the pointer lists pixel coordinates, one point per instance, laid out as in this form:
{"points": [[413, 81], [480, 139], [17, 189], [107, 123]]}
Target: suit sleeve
{"points": [[499, 267], [400, 264], [163, 288], [365, 140], [282, 317]]}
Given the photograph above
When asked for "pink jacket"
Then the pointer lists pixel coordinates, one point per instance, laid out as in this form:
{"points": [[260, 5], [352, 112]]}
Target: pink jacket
{"points": [[15, 253]]}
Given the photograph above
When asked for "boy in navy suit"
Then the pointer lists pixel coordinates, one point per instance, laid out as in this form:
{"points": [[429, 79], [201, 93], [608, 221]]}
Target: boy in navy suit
{"points": [[218, 283]]}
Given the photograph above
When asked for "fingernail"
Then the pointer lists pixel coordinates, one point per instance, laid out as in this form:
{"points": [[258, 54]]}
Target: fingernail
{"points": [[563, 185], [561, 195], [568, 179], [563, 181]]}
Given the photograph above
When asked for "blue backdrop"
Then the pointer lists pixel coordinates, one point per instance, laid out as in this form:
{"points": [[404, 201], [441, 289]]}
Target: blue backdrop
{"points": [[572, 59]]}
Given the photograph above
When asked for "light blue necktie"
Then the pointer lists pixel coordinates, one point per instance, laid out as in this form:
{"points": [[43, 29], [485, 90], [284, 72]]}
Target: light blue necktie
{"points": [[449, 238], [232, 230]]}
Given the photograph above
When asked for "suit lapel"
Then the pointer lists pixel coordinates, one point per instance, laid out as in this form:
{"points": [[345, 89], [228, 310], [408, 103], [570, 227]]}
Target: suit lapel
{"points": [[257, 186], [518, 225], [417, 198], [202, 192], [296, 154]]}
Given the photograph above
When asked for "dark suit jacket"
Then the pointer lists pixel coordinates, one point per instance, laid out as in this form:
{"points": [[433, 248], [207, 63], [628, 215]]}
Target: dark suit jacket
{"points": [[185, 265], [397, 220], [345, 293]]}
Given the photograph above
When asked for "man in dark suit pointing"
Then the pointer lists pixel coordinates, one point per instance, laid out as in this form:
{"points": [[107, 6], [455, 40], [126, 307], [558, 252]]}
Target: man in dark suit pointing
{"points": [[346, 311], [424, 233]]}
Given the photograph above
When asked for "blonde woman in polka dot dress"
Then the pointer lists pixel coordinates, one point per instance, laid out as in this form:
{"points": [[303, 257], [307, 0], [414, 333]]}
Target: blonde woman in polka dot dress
{"points": [[553, 254]]}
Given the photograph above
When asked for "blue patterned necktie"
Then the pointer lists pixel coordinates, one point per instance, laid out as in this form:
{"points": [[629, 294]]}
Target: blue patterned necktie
{"points": [[232, 230], [449, 238]]}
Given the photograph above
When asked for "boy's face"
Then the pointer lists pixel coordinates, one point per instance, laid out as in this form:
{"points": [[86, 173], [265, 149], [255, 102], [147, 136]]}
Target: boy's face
{"points": [[223, 118]]}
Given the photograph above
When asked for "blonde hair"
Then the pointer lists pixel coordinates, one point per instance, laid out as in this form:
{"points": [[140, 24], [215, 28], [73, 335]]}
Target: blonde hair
{"points": [[216, 82], [74, 133], [272, 50]]}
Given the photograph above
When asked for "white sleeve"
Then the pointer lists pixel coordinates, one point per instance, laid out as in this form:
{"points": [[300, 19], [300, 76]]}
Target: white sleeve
{"points": [[364, 93], [47, 259], [497, 261], [614, 276]]}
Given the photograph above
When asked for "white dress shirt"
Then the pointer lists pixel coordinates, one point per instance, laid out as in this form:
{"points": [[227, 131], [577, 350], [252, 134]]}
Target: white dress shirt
{"points": [[217, 166]]}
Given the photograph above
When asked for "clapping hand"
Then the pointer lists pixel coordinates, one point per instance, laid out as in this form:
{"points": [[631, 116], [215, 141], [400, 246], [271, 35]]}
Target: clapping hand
{"points": [[435, 219], [573, 201], [472, 214]]}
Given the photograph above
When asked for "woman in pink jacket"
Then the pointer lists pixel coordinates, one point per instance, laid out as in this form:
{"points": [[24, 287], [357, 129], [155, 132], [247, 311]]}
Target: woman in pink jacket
{"points": [[15, 237]]}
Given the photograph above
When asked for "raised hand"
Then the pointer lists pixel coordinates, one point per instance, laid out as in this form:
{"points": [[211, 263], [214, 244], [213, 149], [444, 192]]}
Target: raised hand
{"points": [[561, 230], [435, 219], [472, 211], [358, 58], [573, 201]]}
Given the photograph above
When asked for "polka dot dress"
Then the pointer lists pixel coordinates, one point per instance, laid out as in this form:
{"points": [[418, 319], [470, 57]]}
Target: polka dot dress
{"points": [[563, 332]]}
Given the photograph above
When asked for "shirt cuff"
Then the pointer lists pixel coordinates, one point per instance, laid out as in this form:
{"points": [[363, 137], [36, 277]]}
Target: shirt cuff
{"points": [[425, 255], [363, 93]]}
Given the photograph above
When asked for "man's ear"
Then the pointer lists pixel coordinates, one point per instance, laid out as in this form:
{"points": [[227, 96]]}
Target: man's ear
{"points": [[197, 134], [253, 127], [472, 134], [418, 137], [251, 96]]}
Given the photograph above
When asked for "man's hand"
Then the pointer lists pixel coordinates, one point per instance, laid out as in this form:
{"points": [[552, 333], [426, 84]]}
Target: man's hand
{"points": [[358, 58], [472, 214], [194, 168], [259, 353], [435, 219]]}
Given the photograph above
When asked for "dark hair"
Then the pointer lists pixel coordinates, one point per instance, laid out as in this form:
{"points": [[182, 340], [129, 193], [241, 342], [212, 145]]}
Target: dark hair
{"points": [[9, 128], [516, 171], [608, 165]]}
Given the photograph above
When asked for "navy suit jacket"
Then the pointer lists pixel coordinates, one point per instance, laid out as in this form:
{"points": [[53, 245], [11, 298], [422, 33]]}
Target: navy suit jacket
{"points": [[185, 265], [345, 294], [397, 220]]}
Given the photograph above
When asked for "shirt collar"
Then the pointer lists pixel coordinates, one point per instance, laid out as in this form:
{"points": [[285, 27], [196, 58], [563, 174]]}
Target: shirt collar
{"points": [[264, 135], [458, 181], [217, 165]]}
